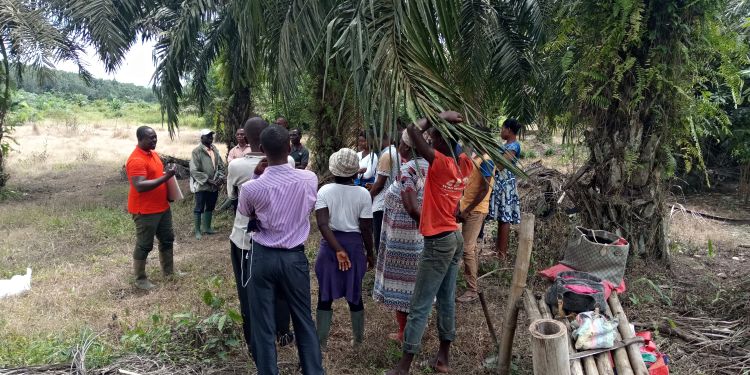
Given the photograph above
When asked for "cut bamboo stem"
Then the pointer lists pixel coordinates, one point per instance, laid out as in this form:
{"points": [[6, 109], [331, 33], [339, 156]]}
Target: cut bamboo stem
{"points": [[622, 362], [531, 306], [634, 354], [549, 347], [518, 283], [575, 365], [603, 364], [544, 309]]}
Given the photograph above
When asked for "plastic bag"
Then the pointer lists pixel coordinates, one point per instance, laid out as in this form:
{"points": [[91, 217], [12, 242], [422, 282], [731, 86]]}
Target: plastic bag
{"points": [[594, 331]]}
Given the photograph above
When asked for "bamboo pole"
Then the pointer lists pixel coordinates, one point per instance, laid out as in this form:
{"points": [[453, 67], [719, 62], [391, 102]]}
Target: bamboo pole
{"points": [[575, 365], [544, 309], [622, 362], [603, 364], [531, 306], [634, 354], [518, 283], [549, 347]]}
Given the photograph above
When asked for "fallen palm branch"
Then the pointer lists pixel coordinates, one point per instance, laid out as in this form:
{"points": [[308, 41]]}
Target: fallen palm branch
{"points": [[721, 346]]}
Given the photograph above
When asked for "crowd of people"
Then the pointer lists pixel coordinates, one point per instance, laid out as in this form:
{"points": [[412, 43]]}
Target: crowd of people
{"points": [[412, 211]]}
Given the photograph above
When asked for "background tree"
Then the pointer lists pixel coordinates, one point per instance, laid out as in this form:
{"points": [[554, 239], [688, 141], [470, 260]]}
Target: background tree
{"points": [[36, 34], [633, 76]]}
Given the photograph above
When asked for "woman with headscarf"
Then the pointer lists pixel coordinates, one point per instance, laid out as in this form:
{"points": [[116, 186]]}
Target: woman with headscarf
{"points": [[344, 215], [401, 243]]}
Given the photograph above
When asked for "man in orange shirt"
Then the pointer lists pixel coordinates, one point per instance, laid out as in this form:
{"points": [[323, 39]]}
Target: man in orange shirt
{"points": [[443, 245], [147, 202]]}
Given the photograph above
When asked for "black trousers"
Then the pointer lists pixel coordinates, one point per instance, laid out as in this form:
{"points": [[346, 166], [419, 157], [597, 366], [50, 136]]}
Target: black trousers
{"points": [[282, 272], [205, 201], [281, 308]]}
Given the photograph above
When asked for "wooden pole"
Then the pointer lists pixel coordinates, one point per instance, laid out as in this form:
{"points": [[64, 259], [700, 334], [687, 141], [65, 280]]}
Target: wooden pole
{"points": [[622, 362], [636, 360], [549, 347], [544, 309], [531, 306], [518, 283], [487, 318], [603, 364]]}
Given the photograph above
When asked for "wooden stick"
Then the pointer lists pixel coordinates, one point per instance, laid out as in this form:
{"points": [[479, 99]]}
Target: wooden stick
{"points": [[487, 317], [531, 306], [634, 354], [549, 347], [518, 283]]}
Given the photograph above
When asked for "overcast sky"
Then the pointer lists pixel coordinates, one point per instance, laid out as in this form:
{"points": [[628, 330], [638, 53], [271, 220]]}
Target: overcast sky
{"points": [[137, 67]]}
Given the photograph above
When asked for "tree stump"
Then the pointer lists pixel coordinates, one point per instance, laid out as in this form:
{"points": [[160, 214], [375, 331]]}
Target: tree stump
{"points": [[549, 347]]}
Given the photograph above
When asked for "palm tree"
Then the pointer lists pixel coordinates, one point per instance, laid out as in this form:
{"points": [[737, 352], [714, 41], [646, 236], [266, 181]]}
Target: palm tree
{"points": [[36, 34]]}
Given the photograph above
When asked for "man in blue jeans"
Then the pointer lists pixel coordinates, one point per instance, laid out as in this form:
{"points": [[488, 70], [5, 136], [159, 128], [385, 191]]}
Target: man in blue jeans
{"points": [[443, 245], [279, 203]]}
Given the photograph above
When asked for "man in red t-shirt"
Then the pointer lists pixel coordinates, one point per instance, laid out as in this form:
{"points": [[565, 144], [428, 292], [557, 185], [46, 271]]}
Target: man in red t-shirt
{"points": [[443, 244], [149, 205]]}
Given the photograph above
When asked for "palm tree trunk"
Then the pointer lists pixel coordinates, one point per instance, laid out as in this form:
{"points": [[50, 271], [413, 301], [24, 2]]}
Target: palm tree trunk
{"points": [[625, 193], [328, 133], [4, 106]]}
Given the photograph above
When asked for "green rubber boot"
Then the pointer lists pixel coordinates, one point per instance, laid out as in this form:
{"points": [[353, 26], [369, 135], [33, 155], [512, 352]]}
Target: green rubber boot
{"points": [[358, 327], [323, 322], [208, 217], [197, 226], [141, 280]]}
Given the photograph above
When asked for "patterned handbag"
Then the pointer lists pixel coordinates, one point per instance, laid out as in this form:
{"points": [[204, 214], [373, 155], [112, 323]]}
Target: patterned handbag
{"points": [[597, 252]]}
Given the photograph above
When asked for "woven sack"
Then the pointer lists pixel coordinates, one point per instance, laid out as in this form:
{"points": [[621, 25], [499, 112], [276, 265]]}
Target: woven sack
{"points": [[565, 287], [597, 252]]}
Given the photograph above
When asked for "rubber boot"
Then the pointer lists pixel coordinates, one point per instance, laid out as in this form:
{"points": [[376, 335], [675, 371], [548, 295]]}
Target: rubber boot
{"points": [[197, 226], [166, 258], [358, 326], [208, 217], [323, 322], [141, 280]]}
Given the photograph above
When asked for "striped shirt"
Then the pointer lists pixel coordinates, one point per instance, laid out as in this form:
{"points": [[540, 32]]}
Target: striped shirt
{"points": [[282, 199]]}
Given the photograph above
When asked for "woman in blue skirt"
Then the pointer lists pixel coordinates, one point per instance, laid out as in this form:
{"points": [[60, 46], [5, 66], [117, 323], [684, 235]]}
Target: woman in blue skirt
{"points": [[505, 206], [344, 215]]}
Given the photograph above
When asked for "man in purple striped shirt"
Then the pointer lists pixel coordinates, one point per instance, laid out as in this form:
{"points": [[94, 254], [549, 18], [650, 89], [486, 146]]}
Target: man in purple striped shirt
{"points": [[280, 202]]}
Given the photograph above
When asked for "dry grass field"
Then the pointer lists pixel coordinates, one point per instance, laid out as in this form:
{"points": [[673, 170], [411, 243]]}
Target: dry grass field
{"points": [[64, 216]]}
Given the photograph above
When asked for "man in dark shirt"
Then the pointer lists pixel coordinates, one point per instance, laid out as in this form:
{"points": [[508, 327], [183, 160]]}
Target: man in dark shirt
{"points": [[299, 153]]}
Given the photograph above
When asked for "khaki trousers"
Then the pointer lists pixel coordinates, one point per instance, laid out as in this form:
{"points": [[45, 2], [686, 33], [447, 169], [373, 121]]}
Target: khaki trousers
{"points": [[470, 231]]}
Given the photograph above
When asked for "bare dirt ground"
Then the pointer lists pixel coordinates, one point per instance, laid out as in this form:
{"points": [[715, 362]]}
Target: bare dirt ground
{"points": [[66, 219]]}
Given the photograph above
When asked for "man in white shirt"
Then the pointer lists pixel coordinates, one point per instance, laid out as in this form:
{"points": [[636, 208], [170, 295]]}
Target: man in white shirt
{"points": [[241, 170]]}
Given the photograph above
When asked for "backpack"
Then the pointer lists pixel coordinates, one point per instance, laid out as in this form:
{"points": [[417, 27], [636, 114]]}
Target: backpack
{"points": [[579, 291]]}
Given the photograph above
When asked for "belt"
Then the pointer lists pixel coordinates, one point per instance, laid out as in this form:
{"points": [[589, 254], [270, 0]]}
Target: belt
{"points": [[439, 235]]}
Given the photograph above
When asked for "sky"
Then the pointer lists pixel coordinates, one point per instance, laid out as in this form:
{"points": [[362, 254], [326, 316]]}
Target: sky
{"points": [[137, 67]]}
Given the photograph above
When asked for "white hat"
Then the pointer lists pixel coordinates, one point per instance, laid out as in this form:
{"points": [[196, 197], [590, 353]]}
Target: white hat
{"points": [[344, 163], [206, 132]]}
